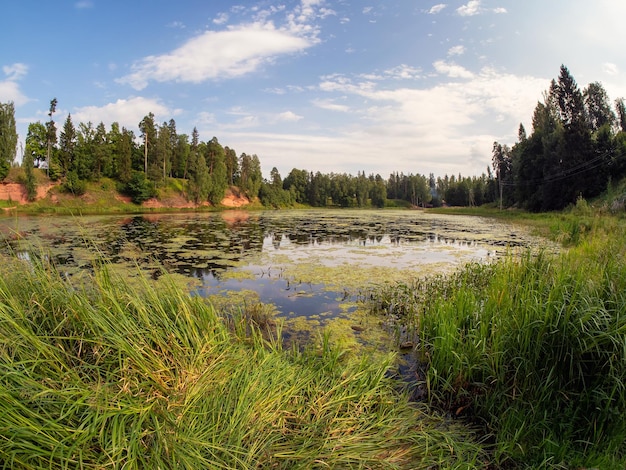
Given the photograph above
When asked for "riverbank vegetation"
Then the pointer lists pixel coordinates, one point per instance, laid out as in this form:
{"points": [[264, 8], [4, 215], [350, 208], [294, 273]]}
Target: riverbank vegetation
{"points": [[576, 148], [531, 349], [97, 374]]}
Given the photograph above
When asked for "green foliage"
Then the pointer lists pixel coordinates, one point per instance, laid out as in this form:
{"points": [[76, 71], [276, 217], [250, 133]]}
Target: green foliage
{"points": [[8, 138], [73, 184], [199, 181], [30, 182], [66, 155], [36, 145], [533, 347], [139, 188], [105, 373], [250, 177], [274, 196], [215, 159], [573, 151]]}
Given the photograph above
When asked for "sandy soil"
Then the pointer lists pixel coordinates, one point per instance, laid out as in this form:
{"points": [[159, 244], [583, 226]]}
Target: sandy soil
{"points": [[16, 193]]}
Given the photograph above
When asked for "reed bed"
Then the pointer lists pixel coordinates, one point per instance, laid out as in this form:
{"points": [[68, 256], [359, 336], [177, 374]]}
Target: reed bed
{"points": [[531, 348], [102, 374]]}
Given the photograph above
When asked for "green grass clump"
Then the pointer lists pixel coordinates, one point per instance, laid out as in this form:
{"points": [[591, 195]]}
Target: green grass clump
{"points": [[532, 348], [101, 374]]}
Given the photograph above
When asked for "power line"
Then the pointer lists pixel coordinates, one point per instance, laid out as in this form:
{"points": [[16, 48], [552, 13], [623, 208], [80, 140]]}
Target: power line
{"points": [[565, 173]]}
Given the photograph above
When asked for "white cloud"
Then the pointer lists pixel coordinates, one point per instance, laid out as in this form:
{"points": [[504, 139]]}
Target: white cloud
{"points": [[217, 55], [403, 72], [610, 68], [450, 125], [176, 25], [222, 18], [206, 118], [437, 8], [15, 71], [367, 10], [400, 72], [288, 116], [470, 9], [9, 88], [452, 70], [331, 105], [499, 10], [456, 50], [127, 113]]}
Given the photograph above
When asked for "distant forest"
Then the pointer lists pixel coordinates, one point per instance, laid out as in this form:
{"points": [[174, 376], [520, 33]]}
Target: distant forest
{"points": [[577, 146]]}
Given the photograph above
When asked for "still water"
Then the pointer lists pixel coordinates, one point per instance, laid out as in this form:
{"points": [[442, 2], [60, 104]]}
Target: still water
{"points": [[312, 264]]}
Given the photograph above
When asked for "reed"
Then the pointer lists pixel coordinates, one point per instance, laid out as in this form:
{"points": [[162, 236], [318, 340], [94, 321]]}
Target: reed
{"points": [[102, 374], [533, 349]]}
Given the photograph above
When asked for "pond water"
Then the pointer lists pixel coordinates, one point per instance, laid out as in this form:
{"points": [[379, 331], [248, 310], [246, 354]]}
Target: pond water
{"points": [[312, 265]]}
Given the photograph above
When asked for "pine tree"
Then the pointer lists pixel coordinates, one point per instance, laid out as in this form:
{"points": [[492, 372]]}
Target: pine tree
{"points": [[8, 138], [67, 147]]}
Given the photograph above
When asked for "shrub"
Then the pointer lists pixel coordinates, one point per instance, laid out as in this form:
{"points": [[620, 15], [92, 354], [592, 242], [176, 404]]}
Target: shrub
{"points": [[139, 188]]}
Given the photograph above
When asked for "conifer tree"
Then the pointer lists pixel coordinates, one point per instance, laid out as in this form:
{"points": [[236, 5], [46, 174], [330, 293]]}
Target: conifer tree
{"points": [[8, 138]]}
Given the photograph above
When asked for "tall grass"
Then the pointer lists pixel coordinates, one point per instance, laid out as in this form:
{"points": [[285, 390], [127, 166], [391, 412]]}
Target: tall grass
{"points": [[101, 374], [533, 349]]}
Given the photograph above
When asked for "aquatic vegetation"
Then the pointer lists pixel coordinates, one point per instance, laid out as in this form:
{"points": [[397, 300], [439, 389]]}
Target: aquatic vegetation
{"points": [[103, 374], [532, 348]]}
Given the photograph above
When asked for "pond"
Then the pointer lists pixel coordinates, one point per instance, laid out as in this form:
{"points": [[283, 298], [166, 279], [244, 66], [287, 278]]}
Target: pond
{"points": [[311, 267]]}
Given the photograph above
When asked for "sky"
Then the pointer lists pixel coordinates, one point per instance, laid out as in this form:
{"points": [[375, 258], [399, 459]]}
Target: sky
{"points": [[340, 86]]}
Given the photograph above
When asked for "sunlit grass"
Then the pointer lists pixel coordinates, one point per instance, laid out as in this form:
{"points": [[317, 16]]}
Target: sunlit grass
{"points": [[531, 348], [103, 374]]}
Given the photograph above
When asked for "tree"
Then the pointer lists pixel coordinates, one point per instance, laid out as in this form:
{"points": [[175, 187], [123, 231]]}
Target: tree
{"points": [[85, 151], [162, 165], [621, 113], [192, 157], [216, 162], [8, 138], [181, 152], [102, 161], [30, 182], [67, 147], [569, 98], [36, 144], [173, 146], [362, 189], [378, 192], [502, 165], [232, 165], [200, 180], [148, 134], [599, 112], [124, 156], [296, 183], [51, 133]]}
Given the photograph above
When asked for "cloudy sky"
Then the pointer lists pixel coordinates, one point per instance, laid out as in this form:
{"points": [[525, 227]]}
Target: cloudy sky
{"points": [[338, 86]]}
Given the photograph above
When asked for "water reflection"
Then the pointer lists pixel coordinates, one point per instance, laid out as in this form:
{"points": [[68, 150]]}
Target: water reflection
{"points": [[304, 262]]}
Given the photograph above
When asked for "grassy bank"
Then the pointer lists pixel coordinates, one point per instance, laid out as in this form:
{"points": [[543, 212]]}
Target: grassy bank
{"points": [[532, 349], [97, 374]]}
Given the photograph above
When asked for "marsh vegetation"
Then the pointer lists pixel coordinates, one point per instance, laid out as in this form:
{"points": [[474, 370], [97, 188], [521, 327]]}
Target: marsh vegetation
{"points": [[519, 361]]}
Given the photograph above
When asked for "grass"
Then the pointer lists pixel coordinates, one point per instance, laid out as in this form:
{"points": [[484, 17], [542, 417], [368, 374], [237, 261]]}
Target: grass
{"points": [[98, 374], [533, 349]]}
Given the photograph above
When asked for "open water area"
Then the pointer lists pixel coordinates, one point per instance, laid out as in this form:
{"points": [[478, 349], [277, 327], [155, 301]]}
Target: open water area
{"points": [[311, 267]]}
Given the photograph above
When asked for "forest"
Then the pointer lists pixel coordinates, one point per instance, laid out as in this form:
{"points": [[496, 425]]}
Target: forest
{"points": [[576, 148]]}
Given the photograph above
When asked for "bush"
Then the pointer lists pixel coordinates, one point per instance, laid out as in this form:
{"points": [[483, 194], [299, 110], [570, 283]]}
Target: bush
{"points": [[74, 185], [139, 188]]}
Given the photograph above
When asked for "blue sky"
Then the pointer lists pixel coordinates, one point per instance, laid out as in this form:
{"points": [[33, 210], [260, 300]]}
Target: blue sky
{"points": [[333, 86]]}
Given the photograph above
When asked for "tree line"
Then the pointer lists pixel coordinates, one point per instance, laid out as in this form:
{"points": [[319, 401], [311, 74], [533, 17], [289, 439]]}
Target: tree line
{"points": [[576, 147]]}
